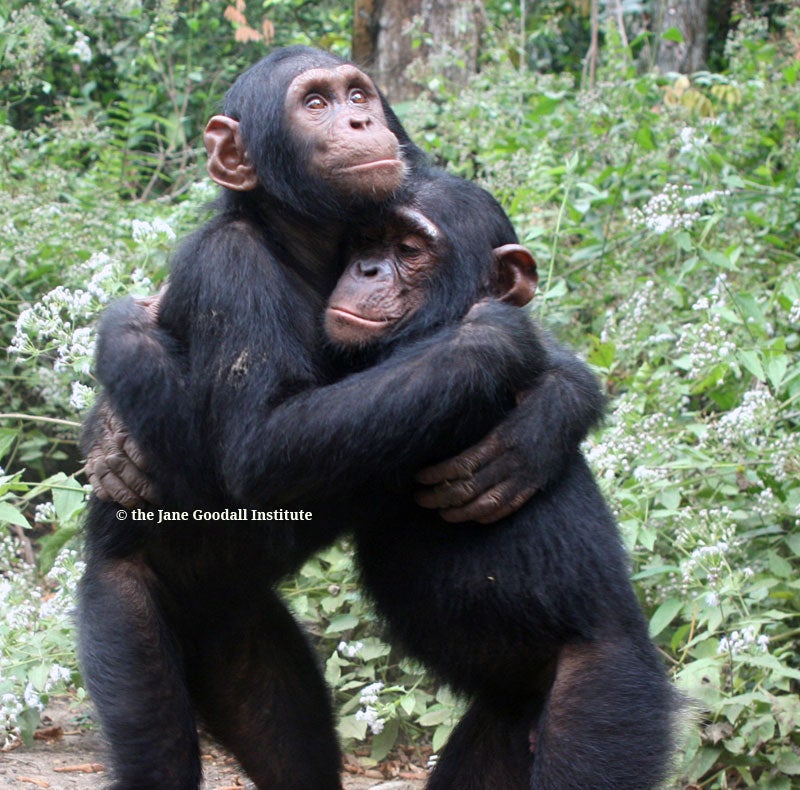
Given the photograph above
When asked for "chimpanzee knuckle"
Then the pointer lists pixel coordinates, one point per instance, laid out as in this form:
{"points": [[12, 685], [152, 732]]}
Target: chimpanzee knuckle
{"points": [[132, 477], [465, 465], [484, 510], [113, 489], [116, 461], [134, 452], [459, 493], [427, 498]]}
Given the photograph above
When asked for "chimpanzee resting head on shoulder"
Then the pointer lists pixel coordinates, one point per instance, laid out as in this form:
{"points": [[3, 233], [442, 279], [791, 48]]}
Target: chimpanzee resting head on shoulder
{"points": [[404, 259], [310, 132]]}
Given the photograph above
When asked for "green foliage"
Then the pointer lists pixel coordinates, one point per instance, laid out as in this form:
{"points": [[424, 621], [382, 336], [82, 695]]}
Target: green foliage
{"points": [[666, 220], [665, 216]]}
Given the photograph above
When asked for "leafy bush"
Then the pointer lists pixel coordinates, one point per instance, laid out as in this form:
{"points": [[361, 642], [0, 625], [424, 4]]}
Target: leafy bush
{"points": [[675, 208]]}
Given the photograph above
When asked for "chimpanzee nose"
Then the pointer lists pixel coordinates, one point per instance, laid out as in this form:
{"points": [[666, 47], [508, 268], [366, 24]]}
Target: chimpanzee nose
{"points": [[373, 268], [359, 121]]}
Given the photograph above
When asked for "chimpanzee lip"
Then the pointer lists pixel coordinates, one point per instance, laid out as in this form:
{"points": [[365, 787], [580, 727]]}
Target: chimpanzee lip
{"points": [[376, 164], [355, 318]]}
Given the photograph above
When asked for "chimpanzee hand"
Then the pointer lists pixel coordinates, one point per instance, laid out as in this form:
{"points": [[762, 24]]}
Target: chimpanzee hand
{"points": [[116, 467], [523, 454], [487, 482]]}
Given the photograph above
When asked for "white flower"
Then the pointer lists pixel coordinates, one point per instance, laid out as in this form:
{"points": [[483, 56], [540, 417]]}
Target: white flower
{"points": [[81, 49], [370, 716]]}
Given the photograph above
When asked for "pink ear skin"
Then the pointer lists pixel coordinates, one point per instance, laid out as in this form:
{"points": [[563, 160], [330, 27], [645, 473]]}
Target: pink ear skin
{"points": [[516, 274], [228, 162]]}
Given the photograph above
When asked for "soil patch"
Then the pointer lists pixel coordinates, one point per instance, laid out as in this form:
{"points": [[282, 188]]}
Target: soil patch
{"points": [[69, 755]]}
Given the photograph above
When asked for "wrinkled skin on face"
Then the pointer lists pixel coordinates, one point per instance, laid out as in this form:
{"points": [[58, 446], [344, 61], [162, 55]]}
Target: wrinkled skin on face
{"points": [[339, 113], [385, 281], [336, 117]]}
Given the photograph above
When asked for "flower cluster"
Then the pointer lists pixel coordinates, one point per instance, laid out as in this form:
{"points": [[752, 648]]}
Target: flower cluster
{"points": [[81, 48], [706, 345], [748, 422], [369, 713], [350, 649], [746, 640], [27, 614], [673, 208], [148, 231], [626, 446], [692, 141]]}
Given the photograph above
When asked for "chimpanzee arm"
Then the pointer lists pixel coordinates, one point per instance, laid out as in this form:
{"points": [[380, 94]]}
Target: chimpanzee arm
{"points": [[143, 369], [525, 452], [424, 401]]}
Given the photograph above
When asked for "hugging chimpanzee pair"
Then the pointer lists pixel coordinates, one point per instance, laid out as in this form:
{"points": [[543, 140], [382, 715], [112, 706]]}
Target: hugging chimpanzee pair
{"points": [[236, 400]]}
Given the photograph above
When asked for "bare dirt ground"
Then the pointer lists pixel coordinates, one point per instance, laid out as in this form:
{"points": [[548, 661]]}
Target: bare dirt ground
{"points": [[69, 756]]}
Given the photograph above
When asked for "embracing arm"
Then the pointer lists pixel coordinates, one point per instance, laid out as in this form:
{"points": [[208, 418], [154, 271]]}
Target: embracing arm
{"points": [[143, 371], [396, 415], [526, 452]]}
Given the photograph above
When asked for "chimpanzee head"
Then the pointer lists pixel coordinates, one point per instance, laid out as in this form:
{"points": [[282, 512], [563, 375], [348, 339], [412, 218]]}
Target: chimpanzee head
{"points": [[424, 261], [310, 131]]}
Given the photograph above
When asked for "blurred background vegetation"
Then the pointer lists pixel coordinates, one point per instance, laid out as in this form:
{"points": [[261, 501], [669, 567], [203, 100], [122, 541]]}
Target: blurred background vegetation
{"points": [[663, 208]]}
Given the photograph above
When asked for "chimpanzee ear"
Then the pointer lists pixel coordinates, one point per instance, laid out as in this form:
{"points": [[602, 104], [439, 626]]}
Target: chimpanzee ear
{"points": [[228, 162], [516, 274]]}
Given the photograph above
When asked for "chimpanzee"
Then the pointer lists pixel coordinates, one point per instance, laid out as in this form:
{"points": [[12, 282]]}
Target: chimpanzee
{"points": [[534, 619], [181, 619]]}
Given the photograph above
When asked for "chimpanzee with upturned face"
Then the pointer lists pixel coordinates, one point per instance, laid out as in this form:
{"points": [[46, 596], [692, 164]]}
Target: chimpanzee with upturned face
{"points": [[533, 619], [182, 617]]}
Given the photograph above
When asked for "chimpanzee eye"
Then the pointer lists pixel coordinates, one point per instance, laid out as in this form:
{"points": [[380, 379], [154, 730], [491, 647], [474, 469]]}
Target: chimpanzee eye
{"points": [[409, 250], [357, 96], [315, 102]]}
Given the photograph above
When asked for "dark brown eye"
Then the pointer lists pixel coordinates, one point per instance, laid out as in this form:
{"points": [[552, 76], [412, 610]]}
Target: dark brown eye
{"points": [[409, 250], [357, 96], [315, 102]]}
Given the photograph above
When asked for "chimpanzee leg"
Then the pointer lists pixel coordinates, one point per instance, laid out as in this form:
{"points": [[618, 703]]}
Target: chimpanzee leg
{"points": [[609, 719], [133, 670], [259, 689], [489, 749]]}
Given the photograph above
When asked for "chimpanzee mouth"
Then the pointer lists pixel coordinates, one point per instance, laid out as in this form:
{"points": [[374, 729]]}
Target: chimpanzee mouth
{"points": [[377, 164], [354, 318]]}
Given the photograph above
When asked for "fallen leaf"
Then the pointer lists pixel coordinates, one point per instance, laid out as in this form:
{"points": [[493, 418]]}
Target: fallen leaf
{"points": [[32, 780], [84, 768]]}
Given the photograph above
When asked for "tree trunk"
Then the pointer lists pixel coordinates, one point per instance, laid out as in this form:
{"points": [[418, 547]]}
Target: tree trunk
{"points": [[383, 40], [691, 18]]}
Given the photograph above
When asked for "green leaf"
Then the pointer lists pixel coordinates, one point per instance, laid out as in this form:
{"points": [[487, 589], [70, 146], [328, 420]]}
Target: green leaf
{"points": [[383, 742], [664, 615], [644, 137], [343, 622], [440, 736], [602, 354], [673, 34], [11, 515], [438, 714]]}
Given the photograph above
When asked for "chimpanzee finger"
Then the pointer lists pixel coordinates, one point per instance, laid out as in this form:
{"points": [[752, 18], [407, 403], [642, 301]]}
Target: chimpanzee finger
{"points": [[138, 484], [452, 493], [464, 464], [491, 506], [132, 449], [459, 493], [108, 487]]}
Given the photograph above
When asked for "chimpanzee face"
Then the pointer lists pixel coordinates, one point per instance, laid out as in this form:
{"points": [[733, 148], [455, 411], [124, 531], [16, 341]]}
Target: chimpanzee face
{"points": [[395, 267], [338, 114], [384, 282]]}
